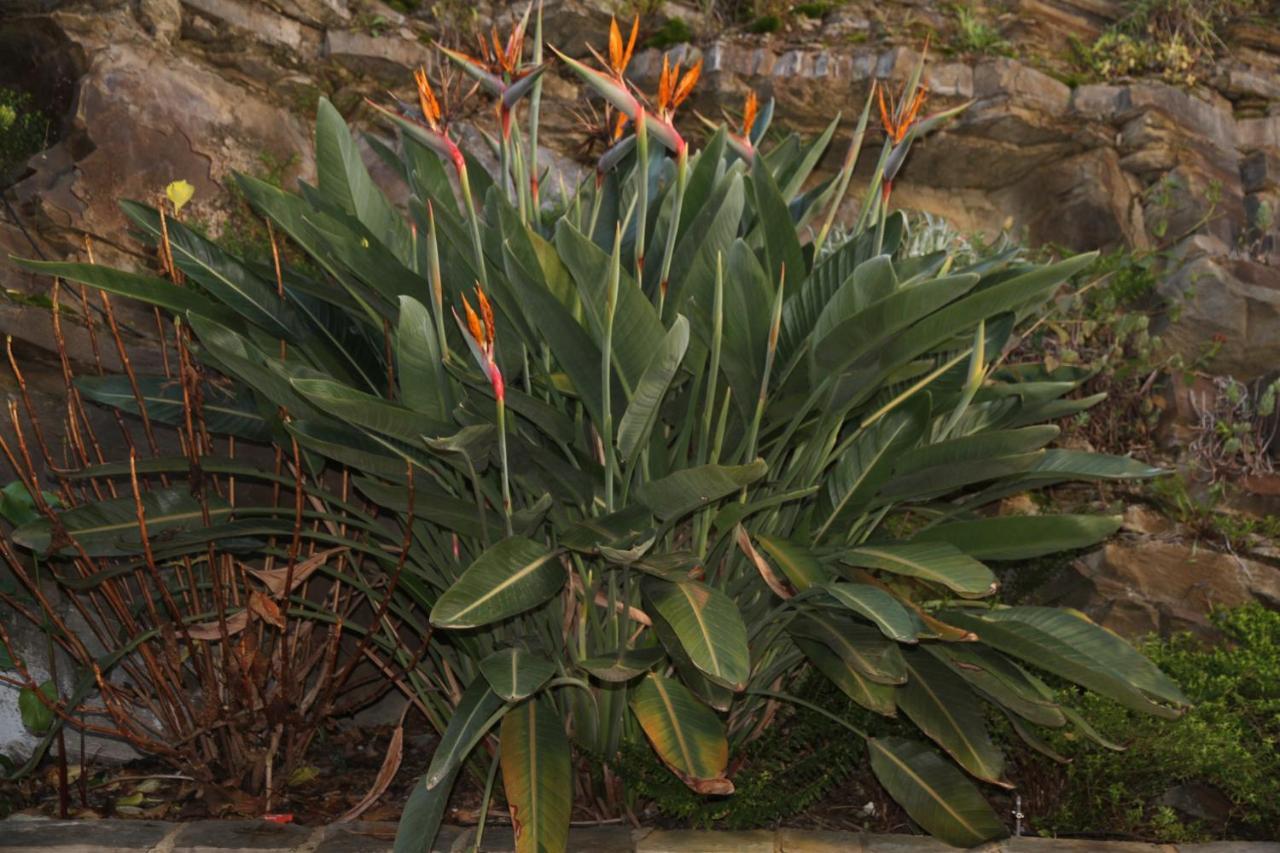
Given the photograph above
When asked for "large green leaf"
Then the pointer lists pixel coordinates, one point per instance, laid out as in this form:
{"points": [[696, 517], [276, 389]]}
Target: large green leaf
{"points": [[222, 276], [642, 412], [846, 332], [946, 709], [618, 530], [708, 625], [423, 815], [516, 673], [686, 734], [110, 528], [1000, 680], [782, 248], [867, 464], [984, 302], [933, 792], [987, 444], [344, 178], [474, 715], [879, 607], [687, 489], [1068, 644], [146, 288], [349, 406], [624, 664], [798, 563], [537, 775], [862, 647], [938, 562], [227, 408], [509, 578], [418, 361], [1021, 537], [637, 331], [852, 682]]}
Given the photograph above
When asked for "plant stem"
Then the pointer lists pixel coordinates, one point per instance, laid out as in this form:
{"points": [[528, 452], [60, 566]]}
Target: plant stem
{"points": [[484, 801], [770, 352], [846, 172], [682, 180], [476, 243], [596, 201], [642, 193], [502, 455], [535, 113], [606, 367]]}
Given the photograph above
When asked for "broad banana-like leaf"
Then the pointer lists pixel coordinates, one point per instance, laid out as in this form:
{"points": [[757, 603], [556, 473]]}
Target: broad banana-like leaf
{"points": [[685, 490], [227, 410], [474, 715], [879, 607], [623, 665], [687, 735], [145, 288], [798, 563], [1021, 537], [1000, 679], [222, 276], [110, 528], [617, 530], [946, 709], [642, 412], [347, 405], [637, 331], [853, 683], [1067, 644], [344, 178], [782, 248], [418, 362], [938, 562], [708, 626], [979, 446], [862, 647], [511, 577], [867, 464], [933, 792], [537, 774], [516, 673]]}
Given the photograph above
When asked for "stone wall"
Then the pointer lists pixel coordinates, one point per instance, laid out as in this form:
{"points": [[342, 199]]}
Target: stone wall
{"points": [[148, 91]]}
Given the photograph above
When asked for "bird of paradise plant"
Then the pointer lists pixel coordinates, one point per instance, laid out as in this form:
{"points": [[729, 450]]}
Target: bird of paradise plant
{"points": [[762, 459]]}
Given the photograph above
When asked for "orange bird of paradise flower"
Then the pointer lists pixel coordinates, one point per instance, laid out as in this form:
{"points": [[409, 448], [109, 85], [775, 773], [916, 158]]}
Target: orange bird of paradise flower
{"points": [[484, 333]]}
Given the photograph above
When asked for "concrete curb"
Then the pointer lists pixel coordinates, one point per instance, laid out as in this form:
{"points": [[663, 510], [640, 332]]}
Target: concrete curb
{"points": [[245, 836]]}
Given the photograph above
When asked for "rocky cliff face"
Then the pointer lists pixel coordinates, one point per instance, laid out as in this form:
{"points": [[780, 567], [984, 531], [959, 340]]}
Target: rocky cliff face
{"points": [[149, 91]]}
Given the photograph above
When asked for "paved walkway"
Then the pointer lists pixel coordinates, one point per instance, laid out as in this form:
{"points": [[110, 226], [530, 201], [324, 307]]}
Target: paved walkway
{"points": [[241, 836]]}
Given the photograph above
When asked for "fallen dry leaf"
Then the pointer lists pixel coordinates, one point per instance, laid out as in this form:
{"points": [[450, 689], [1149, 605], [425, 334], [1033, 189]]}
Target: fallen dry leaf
{"points": [[210, 630], [390, 765], [265, 609], [275, 579], [762, 565]]}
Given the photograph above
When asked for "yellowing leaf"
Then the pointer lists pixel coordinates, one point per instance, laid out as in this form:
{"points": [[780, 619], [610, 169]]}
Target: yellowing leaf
{"points": [[179, 192], [303, 775]]}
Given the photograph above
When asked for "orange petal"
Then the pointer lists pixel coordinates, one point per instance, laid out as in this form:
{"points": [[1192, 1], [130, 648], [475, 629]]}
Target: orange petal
{"points": [[687, 83], [473, 323], [665, 83], [427, 98], [631, 44], [749, 110], [615, 47], [486, 311]]}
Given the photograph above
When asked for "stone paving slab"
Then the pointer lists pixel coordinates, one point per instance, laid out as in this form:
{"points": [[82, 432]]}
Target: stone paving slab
{"points": [[39, 835]]}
